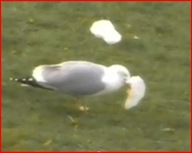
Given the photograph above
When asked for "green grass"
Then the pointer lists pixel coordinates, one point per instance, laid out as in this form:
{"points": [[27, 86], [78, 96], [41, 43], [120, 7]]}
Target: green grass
{"points": [[49, 33]]}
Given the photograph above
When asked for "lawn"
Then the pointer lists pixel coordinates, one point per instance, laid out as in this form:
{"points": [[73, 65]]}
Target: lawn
{"points": [[49, 33]]}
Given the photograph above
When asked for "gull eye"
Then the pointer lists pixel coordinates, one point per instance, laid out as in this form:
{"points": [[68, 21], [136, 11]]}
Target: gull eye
{"points": [[125, 75]]}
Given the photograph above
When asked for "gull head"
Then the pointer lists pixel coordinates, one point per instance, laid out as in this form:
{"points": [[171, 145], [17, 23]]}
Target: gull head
{"points": [[122, 71]]}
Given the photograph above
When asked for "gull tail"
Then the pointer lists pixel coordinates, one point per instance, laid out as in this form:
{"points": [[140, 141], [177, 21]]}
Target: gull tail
{"points": [[28, 81]]}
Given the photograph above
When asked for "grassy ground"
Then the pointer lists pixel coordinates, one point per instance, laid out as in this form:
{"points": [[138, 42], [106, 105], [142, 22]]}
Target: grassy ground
{"points": [[48, 33]]}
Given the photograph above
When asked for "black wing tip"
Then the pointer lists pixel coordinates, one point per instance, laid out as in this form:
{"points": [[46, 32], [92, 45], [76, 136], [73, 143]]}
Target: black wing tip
{"points": [[28, 81], [13, 79], [22, 80]]}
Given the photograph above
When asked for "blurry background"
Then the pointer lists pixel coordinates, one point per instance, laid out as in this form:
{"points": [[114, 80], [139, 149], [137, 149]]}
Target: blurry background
{"points": [[49, 33]]}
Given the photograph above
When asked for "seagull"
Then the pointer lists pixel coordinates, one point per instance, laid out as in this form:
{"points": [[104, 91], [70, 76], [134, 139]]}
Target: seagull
{"points": [[83, 78]]}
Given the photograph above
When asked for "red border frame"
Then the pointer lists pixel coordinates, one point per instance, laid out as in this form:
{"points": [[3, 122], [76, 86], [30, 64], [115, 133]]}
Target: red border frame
{"points": [[98, 1]]}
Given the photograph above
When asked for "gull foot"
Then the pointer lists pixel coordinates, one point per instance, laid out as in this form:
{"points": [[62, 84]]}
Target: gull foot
{"points": [[83, 108]]}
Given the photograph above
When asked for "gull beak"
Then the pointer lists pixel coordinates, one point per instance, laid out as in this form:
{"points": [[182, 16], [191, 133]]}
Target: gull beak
{"points": [[128, 86]]}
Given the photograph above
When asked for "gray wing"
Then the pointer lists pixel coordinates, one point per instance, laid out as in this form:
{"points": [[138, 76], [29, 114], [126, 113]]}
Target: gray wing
{"points": [[76, 78]]}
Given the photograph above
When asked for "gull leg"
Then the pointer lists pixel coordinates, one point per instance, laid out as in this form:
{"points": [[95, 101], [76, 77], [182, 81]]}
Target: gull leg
{"points": [[81, 105]]}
